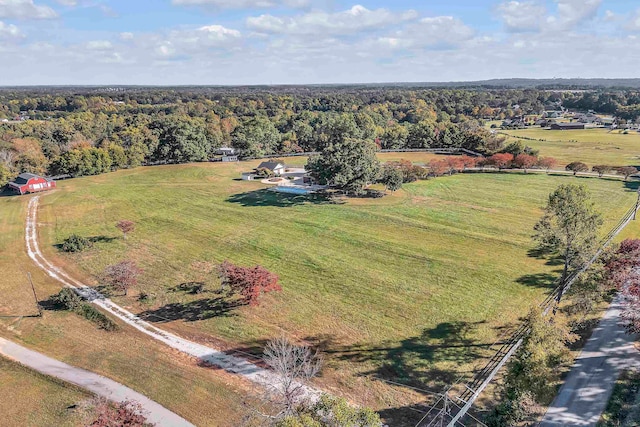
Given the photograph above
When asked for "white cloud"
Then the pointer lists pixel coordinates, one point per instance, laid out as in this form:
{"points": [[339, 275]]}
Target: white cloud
{"points": [[69, 3], [522, 16], [351, 21], [99, 45], [25, 9], [126, 36], [439, 32], [9, 31], [243, 4], [573, 12], [634, 22]]}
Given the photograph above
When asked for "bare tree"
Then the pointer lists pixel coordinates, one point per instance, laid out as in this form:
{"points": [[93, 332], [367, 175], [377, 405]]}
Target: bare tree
{"points": [[295, 366]]}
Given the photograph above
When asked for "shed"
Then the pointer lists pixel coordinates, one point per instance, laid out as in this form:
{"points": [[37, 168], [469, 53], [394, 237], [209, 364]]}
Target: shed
{"points": [[31, 183], [275, 167], [568, 126]]}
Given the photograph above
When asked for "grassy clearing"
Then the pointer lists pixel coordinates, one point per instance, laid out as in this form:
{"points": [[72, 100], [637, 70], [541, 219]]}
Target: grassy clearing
{"points": [[592, 146], [414, 286], [203, 396], [623, 408], [31, 399]]}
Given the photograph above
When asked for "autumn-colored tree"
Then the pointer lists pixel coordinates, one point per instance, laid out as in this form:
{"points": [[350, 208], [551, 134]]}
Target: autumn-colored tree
{"points": [[248, 282], [525, 161], [438, 167], [455, 163], [626, 171], [547, 163], [100, 412], [122, 276], [601, 169], [622, 272], [125, 227], [576, 167], [501, 160], [469, 162]]}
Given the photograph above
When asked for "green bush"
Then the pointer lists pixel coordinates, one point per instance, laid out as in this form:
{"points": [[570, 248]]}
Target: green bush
{"points": [[70, 300], [75, 243]]}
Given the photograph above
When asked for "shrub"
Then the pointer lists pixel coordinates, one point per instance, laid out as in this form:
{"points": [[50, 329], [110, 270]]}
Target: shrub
{"points": [[68, 299], [76, 243]]}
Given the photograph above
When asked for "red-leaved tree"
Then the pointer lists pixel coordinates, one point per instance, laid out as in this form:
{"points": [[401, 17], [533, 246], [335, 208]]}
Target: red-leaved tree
{"points": [[469, 162], [547, 163], [622, 272], [525, 161], [126, 227], [122, 276], [248, 282], [501, 160], [103, 413], [455, 163], [438, 167]]}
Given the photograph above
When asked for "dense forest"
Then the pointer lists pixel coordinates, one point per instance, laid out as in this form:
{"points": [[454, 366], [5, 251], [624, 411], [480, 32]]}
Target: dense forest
{"points": [[87, 131]]}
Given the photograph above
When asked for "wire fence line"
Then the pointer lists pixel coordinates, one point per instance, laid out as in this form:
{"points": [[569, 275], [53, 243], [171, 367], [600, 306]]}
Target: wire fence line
{"points": [[471, 390]]}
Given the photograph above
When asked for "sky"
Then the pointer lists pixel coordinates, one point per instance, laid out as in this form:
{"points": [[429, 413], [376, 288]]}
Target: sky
{"points": [[237, 42]]}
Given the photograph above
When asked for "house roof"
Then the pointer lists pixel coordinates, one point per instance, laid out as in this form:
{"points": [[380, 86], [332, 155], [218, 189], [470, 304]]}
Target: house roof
{"points": [[270, 165], [23, 178]]}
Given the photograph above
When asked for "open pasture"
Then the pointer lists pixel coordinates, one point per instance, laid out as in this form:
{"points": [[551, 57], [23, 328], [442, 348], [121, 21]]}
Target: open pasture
{"points": [[591, 146], [412, 287]]}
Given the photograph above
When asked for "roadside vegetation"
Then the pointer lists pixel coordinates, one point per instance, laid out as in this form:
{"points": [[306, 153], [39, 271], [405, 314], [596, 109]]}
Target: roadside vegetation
{"points": [[623, 409]]}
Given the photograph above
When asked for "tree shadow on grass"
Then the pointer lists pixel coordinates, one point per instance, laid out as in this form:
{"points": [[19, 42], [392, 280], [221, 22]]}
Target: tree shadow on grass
{"points": [[540, 280], [194, 311], [94, 239], [412, 361], [262, 198]]}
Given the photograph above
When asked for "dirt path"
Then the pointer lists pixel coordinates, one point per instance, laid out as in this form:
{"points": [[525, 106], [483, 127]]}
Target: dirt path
{"points": [[209, 355], [97, 384], [587, 388]]}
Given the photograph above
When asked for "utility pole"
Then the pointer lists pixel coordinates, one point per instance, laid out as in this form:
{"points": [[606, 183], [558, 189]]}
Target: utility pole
{"points": [[35, 296]]}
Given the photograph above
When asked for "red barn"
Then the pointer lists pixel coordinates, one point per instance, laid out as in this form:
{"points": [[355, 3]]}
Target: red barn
{"points": [[30, 183]]}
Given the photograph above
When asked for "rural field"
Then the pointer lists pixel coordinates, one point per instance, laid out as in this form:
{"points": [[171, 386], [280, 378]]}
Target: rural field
{"points": [[205, 397], [591, 146], [413, 287]]}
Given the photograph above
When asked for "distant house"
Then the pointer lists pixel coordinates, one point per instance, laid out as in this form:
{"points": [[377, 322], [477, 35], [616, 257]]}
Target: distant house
{"points": [[226, 151], [275, 167], [30, 183], [229, 158], [567, 126]]}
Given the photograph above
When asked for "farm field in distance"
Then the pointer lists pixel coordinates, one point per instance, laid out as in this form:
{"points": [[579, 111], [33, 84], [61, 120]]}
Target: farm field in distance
{"points": [[412, 287], [591, 146]]}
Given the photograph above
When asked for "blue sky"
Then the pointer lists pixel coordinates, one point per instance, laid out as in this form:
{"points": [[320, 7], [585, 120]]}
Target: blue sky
{"points": [[171, 42]]}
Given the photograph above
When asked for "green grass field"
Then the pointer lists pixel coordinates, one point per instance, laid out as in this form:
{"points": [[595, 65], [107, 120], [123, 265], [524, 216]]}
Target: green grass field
{"points": [[33, 400], [205, 397], [592, 146], [414, 286]]}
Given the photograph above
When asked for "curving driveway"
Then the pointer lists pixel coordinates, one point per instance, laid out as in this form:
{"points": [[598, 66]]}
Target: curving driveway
{"points": [[97, 384]]}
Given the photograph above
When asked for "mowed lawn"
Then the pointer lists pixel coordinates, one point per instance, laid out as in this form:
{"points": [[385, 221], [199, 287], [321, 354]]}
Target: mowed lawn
{"points": [[36, 400], [592, 146], [414, 286]]}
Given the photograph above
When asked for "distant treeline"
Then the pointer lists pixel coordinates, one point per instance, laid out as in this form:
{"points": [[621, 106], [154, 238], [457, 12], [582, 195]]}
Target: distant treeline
{"points": [[86, 131]]}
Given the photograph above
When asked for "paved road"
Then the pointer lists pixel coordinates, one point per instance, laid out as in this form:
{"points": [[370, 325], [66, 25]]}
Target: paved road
{"points": [[587, 388], [95, 383]]}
